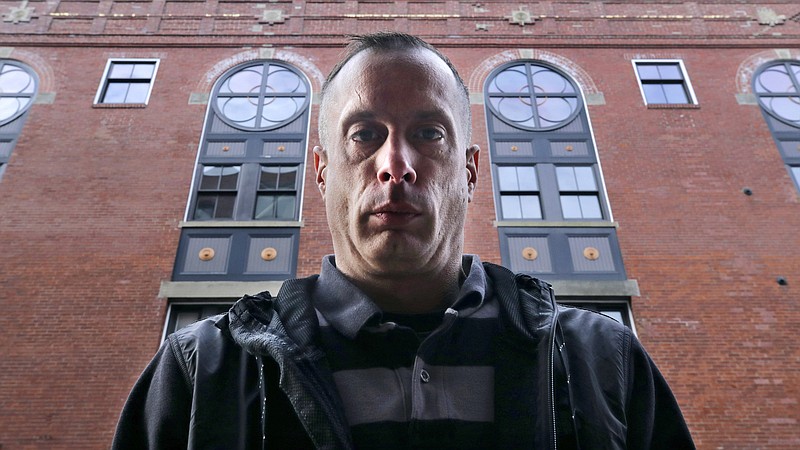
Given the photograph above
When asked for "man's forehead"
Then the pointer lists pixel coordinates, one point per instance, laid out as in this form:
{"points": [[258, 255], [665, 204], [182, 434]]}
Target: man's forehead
{"points": [[409, 58]]}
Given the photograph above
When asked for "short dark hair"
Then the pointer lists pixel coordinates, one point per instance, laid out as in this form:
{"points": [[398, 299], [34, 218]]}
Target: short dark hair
{"points": [[386, 41]]}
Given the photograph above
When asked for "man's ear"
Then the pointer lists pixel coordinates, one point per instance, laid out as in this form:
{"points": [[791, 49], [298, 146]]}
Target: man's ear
{"points": [[320, 164], [472, 169]]}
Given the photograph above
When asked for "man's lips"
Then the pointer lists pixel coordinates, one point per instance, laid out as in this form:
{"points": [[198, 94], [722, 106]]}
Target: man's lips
{"points": [[394, 214]]}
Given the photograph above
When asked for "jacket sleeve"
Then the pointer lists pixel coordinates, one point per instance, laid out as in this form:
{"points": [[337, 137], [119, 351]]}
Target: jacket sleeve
{"points": [[654, 418], [157, 412]]}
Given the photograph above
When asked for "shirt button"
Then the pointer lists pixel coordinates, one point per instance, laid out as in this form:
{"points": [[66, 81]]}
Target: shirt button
{"points": [[424, 376]]}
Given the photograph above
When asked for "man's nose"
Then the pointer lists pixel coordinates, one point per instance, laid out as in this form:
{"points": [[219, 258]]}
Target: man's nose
{"points": [[396, 164]]}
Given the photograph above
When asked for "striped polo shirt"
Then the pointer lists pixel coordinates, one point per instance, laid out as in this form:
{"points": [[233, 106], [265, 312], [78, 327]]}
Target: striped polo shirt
{"points": [[412, 381]]}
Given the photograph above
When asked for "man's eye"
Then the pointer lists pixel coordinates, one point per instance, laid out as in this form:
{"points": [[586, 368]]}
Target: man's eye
{"points": [[430, 134], [364, 136]]}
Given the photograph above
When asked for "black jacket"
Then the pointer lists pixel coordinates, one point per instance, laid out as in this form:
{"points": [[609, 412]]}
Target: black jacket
{"points": [[257, 378]]}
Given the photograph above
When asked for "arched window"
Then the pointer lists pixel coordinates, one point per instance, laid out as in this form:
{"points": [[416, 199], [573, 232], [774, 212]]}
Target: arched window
{"points": [[18, 87], [553, 216], [777, 85], [243, 217]]}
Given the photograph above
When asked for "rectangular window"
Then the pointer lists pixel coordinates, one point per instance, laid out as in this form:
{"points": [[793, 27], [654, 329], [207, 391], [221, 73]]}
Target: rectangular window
{"points": [[277, 193], [127, 81], [617, 310], [519, 192], [795, 174], [578, 192], [664, 83], [182, 315], [216, 196]]}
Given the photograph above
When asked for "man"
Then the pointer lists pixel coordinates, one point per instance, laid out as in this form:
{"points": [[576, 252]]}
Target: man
{"points": [[401, 342]]}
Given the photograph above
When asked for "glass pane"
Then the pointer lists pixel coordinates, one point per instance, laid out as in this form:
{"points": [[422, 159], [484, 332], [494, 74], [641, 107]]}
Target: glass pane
{"points": [[548, 81], [585, 179], [647, 71], [115, 93], [137, 93], [555, 110], [246, 81], [265, 207], [590, 207], [654, 94], [278, 109], [507, 178], [229, 178], [527, 178], [566, 179], [282, 80], [186, 318], [284, 208], [510, 207], [225, 204], [143, 71], [288, 179], [530, 207], [675, 94], [9, 107], [511, 80], [205, 207], [210, 178], [570, 207], [774, 80], [796, 174], [786, 107], [239, 110], [515, 109], [269, 178], [616, 315], [119, 70], [670, 72], [14, 80]]}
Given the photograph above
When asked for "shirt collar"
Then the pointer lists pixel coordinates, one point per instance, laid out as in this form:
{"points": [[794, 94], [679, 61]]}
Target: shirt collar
{"points": [[348, 309]]}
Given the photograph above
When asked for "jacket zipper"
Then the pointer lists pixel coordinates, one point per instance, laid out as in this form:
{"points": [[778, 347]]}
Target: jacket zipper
{"points": [[551, 369]]}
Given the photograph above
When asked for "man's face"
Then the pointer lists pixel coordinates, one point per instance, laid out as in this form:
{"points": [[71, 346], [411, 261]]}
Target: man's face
{"points": [[395, 171]]}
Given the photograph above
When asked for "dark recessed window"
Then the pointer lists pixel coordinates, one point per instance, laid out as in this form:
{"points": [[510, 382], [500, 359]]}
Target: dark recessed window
{"points": [[277, 193], [216, 197], [617, 310], [183, 315], [664, 82], [127, 82]]}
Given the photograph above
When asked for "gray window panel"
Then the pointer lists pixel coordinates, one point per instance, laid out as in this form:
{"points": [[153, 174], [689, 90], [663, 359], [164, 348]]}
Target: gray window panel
{"points": [[239, 253], [10, 107], [571, 207], [796, 174], [617, 310], [521, 178], [511, 208], [215, 206], [226, 149], [2, 169], [670, 72], [572, 178]]}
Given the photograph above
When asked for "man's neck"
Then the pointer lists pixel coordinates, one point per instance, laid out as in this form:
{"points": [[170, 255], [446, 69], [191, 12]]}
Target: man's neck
{"points": [[412, 293]]}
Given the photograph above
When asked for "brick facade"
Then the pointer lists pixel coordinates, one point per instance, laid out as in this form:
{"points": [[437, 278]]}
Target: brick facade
{"points": [[92, 199]]}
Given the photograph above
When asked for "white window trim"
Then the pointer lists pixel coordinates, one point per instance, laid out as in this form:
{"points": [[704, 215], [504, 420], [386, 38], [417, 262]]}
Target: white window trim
{"points": [[692, 96], [104, 79]]}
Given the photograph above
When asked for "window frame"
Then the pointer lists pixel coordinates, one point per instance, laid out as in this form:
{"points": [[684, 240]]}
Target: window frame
{"points": [[685, 81], [11, 128], [102, 89]]}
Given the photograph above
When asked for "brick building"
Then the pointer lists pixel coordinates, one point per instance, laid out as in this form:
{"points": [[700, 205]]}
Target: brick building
{"points": [[155, 165]]}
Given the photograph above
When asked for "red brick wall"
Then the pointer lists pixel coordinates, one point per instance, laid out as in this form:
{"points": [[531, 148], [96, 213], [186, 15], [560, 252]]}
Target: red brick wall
{"points": [[92, 197]]}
